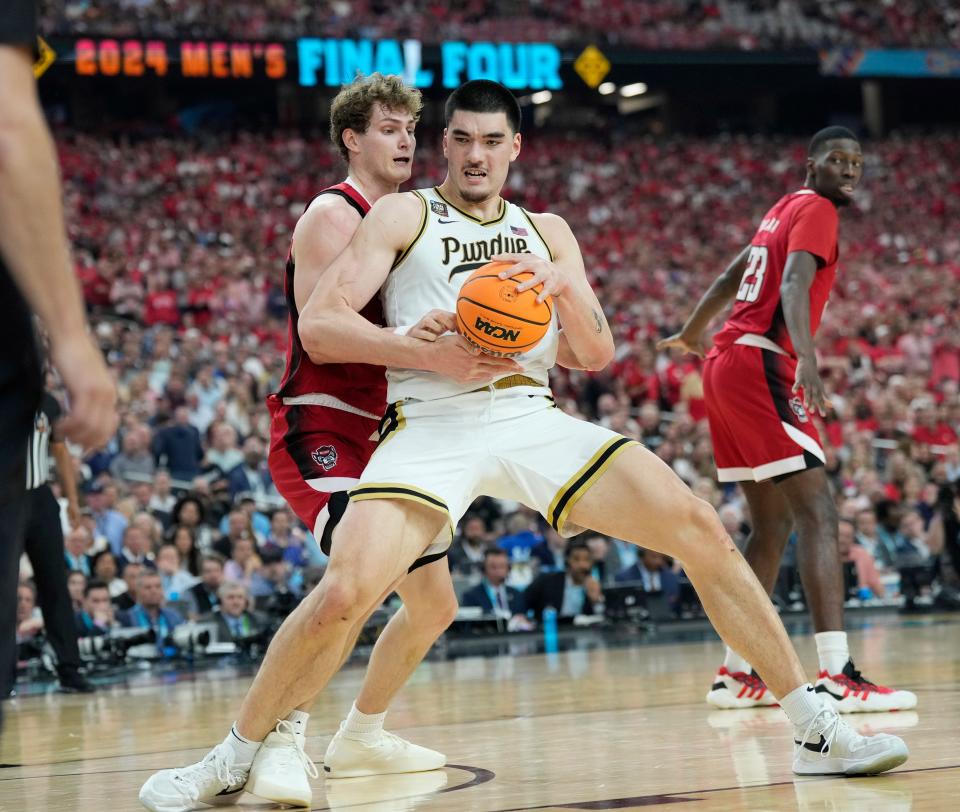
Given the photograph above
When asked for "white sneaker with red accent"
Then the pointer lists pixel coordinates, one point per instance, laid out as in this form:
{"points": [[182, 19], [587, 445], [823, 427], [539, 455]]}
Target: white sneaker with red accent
{"points": [[738, 689], [850, 692]]}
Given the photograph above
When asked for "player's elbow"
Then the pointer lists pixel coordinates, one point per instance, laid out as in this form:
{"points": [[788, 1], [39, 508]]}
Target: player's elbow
{"points": [[315, 338], [598, 357]]}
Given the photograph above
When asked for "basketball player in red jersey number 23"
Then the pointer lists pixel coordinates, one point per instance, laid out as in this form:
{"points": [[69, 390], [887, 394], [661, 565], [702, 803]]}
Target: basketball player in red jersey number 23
{"points": [[760, 386]]}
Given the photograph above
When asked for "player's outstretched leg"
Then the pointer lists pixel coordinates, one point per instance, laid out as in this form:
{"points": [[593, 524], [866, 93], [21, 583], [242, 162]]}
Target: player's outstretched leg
{"points": [[639, 499], [377, 541], [736, 684], [361, 746], [821, 573]]}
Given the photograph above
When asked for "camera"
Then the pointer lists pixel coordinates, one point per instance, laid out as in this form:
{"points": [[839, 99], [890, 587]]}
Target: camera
{"points": [[113, 646]]}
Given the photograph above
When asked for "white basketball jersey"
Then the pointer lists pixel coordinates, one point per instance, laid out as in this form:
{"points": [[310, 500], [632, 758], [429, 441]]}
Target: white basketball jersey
{"points": [[449, 245]]}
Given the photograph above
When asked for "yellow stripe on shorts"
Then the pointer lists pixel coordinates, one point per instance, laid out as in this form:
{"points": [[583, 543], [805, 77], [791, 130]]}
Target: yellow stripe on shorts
{"points": [[581, 481], [397, 490]]}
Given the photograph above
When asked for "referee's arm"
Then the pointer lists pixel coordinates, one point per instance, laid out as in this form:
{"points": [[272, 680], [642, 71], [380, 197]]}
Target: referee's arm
{"points": [[33, 245], [68, 480]]}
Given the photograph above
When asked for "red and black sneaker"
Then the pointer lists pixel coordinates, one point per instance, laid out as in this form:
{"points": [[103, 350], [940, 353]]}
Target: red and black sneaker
{"points": [[850, 692], [737, 689]]}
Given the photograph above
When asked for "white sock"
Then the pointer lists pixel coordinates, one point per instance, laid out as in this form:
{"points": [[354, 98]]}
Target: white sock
{"points": [[801, 705], [733, 662], [363, 727], [299, 720], [243, 749], [832, 651]]}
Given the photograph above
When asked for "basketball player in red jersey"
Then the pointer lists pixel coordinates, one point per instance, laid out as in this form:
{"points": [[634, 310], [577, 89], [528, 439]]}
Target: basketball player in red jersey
{"points": [[323, 419], [761, 384]]}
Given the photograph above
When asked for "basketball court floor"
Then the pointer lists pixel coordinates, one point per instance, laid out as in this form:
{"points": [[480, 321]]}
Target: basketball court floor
{"points": [[584, 729]]}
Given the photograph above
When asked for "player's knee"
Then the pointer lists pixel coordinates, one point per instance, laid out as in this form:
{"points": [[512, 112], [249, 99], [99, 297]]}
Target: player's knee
{"points": [[338, 600], [437, 612], [702, 529]]}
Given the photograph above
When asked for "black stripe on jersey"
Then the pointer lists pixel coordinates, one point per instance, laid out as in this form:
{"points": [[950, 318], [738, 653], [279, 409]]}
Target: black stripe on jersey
{"points": [[779, 393], [347, 197]]}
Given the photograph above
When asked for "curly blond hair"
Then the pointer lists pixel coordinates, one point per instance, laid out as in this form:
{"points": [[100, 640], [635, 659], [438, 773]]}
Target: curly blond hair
{"points": [[353, 105]]}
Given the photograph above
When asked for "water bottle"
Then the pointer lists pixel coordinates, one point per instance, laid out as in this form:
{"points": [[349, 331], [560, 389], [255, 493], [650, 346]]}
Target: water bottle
{"points": [[550, 630]]}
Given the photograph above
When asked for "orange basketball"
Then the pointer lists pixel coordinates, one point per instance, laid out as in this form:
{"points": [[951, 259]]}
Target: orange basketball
{"points": [[493, 316]]}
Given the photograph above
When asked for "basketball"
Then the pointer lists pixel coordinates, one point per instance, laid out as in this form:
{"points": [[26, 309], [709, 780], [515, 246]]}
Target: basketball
{"points": [[497, 319]]}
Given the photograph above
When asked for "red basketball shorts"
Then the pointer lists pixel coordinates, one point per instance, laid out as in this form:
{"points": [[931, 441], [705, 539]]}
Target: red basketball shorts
{"points": [[760, 429], [318, 452]]}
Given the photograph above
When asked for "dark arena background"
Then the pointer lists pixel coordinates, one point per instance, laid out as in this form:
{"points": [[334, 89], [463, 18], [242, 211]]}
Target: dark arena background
{"points": [[190, 136]]}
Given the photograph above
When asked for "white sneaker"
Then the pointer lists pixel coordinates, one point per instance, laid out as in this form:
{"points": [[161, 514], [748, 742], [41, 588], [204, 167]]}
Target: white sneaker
{"points": [[737, 689], [281, 770], [850, 692], [388, 754], [829, 746], [215, 780]]}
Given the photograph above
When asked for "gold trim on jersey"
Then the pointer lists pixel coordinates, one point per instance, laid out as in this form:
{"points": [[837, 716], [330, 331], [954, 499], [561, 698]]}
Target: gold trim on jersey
{"points": [[537, 230], [494, 221], [391, 423], [423, 227], [581, 482], [399, 490]]}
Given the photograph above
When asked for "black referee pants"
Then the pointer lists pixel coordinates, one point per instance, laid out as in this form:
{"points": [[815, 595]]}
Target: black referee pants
{"points": [[12, 515], [43, 544]]}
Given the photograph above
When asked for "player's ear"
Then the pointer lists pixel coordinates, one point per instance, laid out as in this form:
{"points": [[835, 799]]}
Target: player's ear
{"points": [[515, 152], [351, 139], [811, 165], [444, 141]]}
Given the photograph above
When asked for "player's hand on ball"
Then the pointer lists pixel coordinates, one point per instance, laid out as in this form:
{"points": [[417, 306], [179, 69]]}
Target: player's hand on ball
{"points": [[692, 344], [552, 277], [808, 379], [457, 358], [434, 325]]}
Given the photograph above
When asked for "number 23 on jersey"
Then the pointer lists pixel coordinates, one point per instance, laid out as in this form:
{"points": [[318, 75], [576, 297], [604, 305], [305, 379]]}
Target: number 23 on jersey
{"points": [[753, 275]]}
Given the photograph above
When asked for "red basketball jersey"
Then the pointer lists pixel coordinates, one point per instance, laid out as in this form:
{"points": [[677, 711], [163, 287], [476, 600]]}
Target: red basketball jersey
{"points": [[801, 221], [361, 386]]}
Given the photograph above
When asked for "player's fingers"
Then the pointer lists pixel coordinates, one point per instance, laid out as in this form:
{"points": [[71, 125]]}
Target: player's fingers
{"points": [[538, 278], [447, 320]]}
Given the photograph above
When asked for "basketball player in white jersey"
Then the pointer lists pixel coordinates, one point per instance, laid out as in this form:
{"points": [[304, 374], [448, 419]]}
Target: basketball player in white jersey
{"points": [[372, 125], [443, 443]]}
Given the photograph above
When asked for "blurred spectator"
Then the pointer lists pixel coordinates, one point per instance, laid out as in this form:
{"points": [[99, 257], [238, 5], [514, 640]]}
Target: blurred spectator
{"points": [[106, 570], [149, 611], [76, 548], [131, 574], [868, 537], [572, 592], [183, 538], [655, 575], [96, 616], [272, 577], [174, 580], [134, 462], [731, 516], [492, 593], [178, 447], [244, 560], [162, 500], [29, 619], [868, 577], [223, 452], [290, 540], [203, 596], [109, 523], [521, 536], [551, 552], [606, 559], [76, 583], [252, 475], [233, 615], [466, 554], [190, 512], [136, 548]]}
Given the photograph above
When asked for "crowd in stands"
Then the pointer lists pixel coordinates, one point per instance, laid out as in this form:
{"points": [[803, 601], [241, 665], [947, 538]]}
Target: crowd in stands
{"points": [[180, 242], [653, 24]]}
